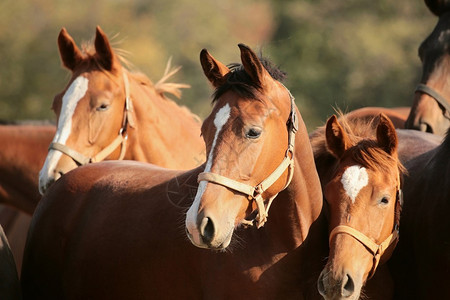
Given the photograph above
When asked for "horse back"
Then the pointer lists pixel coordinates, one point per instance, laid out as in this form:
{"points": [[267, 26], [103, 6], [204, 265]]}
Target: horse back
{"points": [[96, 214]]}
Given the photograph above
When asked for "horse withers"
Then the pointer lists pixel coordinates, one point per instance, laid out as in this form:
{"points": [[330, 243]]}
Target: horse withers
{"points": [[117, 229], [363, 193], [431, 108], [107, 112]]}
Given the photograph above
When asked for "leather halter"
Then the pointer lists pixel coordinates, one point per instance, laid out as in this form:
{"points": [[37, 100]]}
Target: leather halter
{"points": [[422, 88], [254, 193], [377, 250], [121, 139]]}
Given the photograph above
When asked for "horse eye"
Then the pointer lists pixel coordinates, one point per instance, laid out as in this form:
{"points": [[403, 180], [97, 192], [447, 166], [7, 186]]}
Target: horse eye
{"points": [[253, 133], [102, 107], [384, 201]]}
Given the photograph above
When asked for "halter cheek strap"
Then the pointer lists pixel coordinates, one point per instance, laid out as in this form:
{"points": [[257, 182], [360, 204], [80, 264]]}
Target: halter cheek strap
{"points": [[254, 193], [422, 88], [121, 138]]}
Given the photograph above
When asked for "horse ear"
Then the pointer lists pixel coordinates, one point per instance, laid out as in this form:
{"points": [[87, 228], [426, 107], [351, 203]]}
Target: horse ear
{"points": [[253, 66], [104, 52], [386, 135], [70, 54], [337, 140], [214, 70]]}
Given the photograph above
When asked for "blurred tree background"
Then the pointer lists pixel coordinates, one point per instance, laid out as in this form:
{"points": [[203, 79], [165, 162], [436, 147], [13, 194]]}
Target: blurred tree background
{"points": [[345, 54]]}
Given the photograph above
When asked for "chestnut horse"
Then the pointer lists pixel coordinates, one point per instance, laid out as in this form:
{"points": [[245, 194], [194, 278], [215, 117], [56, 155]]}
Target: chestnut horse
{"points": [[106, 112], [362, 189], [431, 108], [397, 115], [421, 263], [22, 154], [115, 230]]}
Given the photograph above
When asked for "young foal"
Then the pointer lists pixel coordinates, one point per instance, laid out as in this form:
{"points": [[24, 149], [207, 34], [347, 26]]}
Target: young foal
{"points": [[106, 112], [114, 230], [431, 108], [362, 190]]}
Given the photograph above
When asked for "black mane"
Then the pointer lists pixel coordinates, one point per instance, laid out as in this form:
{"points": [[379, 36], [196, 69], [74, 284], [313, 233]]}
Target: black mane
{"points": [[240, 82]]}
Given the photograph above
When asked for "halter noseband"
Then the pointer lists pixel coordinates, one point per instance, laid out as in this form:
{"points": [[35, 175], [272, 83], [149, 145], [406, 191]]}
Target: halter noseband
{"points": [[255, 192], [121, 139], [377, 250], [422, 88]]}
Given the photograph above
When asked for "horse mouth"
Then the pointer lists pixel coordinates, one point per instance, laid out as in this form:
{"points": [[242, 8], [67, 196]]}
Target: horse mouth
{"points": [[213, 245]]}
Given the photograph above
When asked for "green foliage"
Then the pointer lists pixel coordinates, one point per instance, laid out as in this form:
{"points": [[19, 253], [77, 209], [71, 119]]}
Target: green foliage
{"points": [[350, 54], [345, 54]]}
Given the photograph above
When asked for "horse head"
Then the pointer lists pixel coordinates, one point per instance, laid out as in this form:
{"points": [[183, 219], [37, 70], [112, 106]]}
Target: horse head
{"points": [[93, 111], [249, 140], [431, 108], [363, 197]]}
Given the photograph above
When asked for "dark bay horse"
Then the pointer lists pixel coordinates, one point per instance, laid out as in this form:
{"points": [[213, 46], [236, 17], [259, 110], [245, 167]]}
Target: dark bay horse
{"points": [[9, 280], [362, 190], [431, 108], [116, 230], [421, 263], [107, 112]]}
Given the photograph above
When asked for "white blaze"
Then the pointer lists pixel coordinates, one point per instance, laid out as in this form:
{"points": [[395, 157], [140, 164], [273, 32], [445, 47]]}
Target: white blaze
{"points": [[353, 180], [73, 95], [220, 119]]}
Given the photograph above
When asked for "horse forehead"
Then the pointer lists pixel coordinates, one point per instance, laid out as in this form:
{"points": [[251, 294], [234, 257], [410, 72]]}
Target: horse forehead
{"points": [[353, 180], [75, 92]]}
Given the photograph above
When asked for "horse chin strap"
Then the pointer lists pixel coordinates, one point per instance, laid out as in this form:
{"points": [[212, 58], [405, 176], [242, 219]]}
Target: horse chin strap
{"points": [[377, 250], [121, 139], [255, 192], [422, 88]]}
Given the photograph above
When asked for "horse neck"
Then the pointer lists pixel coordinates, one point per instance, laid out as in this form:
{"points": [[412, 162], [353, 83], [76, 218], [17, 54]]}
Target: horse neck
{"points": [[165, 134], [302, 199]]}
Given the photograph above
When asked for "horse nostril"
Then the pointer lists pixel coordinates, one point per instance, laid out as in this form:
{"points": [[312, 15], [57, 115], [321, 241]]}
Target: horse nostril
{"points": [[348, 286], [207, 230]]}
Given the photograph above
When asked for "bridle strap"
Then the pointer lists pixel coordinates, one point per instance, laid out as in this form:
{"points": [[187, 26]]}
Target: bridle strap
{"points": [[255, 192], [121, 138], [422, 88], [76, 156]]}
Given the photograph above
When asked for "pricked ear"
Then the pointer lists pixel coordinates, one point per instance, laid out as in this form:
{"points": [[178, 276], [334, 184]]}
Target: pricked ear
{"points": [[337, 139], [104, 52], [214, 70], [253, 66], [71, 56], [386, 135]]}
